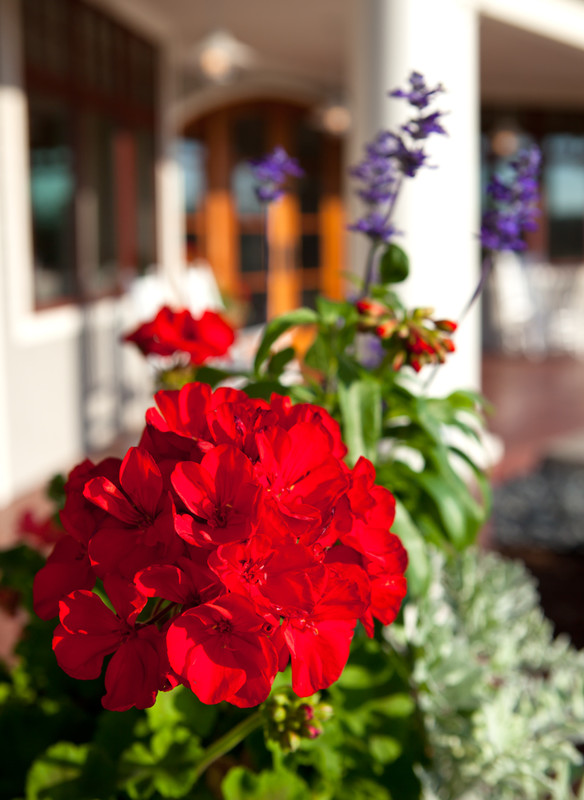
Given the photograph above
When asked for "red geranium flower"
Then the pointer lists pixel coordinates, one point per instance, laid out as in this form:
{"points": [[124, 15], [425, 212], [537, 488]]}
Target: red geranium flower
{"points": [[89, 632], [221, 494], [222, 651], [178, 331], [67, 569]]}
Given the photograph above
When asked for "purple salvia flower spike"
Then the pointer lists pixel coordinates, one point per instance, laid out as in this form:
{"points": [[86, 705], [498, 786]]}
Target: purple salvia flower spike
{"points": [[271, 172]]}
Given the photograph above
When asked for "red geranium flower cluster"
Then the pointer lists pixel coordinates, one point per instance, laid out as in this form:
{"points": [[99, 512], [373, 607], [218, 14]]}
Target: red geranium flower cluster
{"points": [[173, 332], [232, 540]]}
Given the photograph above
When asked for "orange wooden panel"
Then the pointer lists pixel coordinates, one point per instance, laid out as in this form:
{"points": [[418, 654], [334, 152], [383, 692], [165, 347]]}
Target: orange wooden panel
{"points": [[332, 243], [284, 225], [284, 281], [220, 221], [221, 238]]}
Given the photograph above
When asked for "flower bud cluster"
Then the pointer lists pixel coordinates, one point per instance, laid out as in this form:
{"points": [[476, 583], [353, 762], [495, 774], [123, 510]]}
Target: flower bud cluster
{"points": [[290, 719], [414, 338], [231, 541]]}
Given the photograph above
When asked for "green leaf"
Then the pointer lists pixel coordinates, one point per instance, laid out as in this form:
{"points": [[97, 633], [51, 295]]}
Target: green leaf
{"points": [[241, 784], [363, 788], [360, 676], [56, 490], [395, 705], [330, 311], [279, 360], [360, 403], [418, 572], [459, 513], [18, 567], [115, 731], [169, 767], [318, 354], [394, 266], [278, 326], [466, 399], [482, 480], [265, 389], [182, 707], [384, 749], [212, 375], [68, 771]]}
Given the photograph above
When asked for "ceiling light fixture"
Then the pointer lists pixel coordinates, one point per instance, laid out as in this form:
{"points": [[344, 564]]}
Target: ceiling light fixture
{"points": [[220, 55]]}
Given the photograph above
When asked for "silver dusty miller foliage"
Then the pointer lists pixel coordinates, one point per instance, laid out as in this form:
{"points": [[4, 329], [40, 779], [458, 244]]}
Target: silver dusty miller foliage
{"points": [[502, 700]]}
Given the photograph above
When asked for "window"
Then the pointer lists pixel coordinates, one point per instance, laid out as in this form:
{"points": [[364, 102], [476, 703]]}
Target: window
{"points": [[91, 87], [225, 222], [563, 179]]}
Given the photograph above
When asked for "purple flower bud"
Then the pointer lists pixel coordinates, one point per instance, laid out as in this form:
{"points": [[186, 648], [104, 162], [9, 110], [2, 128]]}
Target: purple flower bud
{"points": [[419, 94], [422, 127], [375, 225], [514, 198], [271, 172]]}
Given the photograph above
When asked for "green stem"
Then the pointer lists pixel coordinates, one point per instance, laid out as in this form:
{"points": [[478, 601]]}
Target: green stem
{"points": [[486, 268], [228, 741], [369, 268]]}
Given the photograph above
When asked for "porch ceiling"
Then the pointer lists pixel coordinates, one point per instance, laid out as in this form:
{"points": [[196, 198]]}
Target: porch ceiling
{"points": [[308, 39], [523, 68], [304, 37]]}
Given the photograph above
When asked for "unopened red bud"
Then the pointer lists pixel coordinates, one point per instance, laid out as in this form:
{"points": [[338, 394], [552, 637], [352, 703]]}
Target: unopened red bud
{"points": [[292, 741], [325, 711], [446, 325], [386, 329], [398, 362], [449, 345], [313, 731], [422, 313], [372, 307], [307, 710], [417, 365]]}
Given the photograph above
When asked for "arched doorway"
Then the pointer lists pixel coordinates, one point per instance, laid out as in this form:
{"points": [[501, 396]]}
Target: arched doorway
{"points": [[224, 221]]}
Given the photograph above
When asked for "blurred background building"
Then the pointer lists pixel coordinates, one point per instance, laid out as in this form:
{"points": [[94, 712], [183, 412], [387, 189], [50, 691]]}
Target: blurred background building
{"points": [[125, 130]]}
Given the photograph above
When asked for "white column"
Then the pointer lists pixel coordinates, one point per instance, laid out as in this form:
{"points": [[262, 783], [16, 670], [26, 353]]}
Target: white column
{"points": [[12, 143], [169, 189], [438, 210]]}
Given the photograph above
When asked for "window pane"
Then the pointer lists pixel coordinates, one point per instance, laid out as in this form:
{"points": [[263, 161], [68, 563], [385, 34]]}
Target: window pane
{"points": [[251, 255], [310, 251], [191, 156], [257, 308], [310, 158], [146, 251], [99, 228], [243, 186], [52, 190], [309, 297], [564, 187]]}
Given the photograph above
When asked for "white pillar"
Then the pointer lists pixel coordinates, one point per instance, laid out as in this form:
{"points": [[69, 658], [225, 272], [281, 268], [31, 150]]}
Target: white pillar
{"points": [[13, 244], [438, 210], [169, 189]]}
